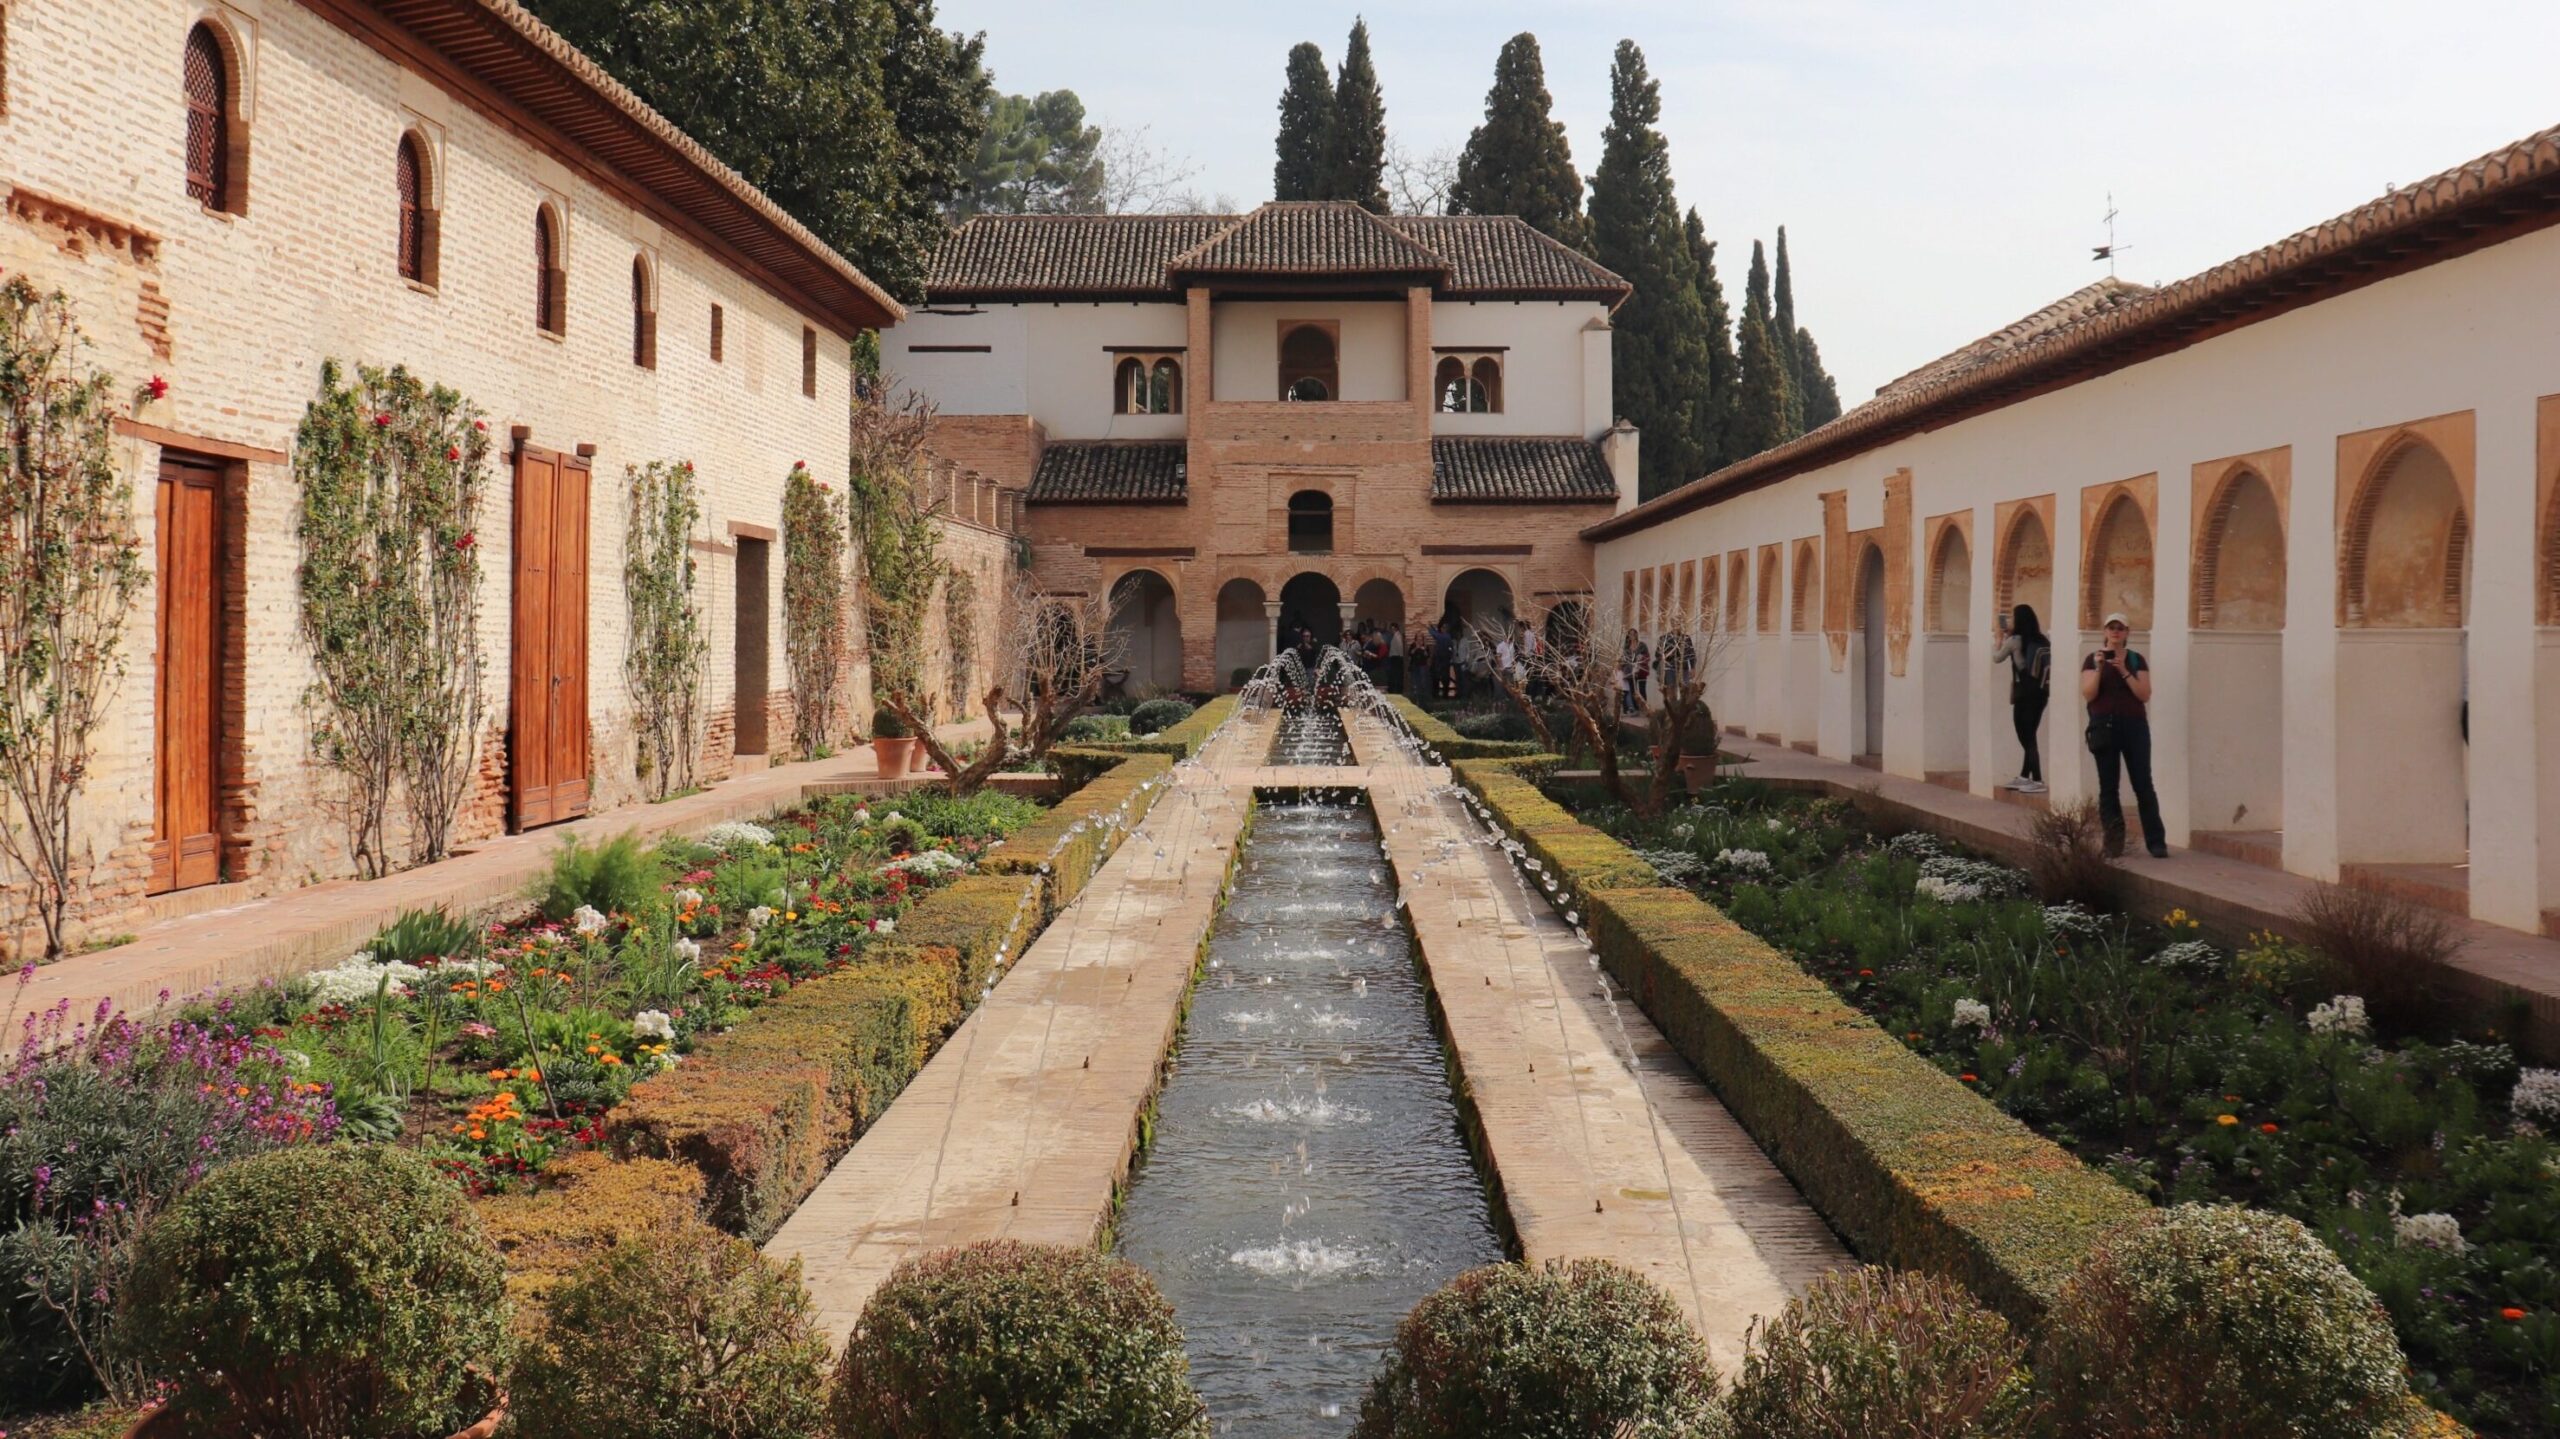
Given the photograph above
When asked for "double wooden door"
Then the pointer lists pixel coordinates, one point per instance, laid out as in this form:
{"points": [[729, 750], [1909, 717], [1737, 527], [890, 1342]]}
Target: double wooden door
{"points": [[548, 711], [186, 839]]}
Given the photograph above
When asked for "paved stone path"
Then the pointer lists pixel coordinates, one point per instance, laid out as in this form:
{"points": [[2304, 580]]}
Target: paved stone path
{"points": [[1608, 1145], [1025, 1121], [314, 926]]}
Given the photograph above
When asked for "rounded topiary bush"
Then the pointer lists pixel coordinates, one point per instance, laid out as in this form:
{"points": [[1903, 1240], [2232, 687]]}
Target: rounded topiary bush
{"points": [[326, 1291], [1158, 715], [676, 1332], [1874, 1351], [1031, 1341], [2218, 1320], [1556, 1351]]}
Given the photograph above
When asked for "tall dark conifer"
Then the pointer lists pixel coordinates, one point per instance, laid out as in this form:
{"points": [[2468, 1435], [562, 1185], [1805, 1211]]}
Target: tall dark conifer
{"points": [[1782, 331], [1760, 418], [1661, 345], [1306, 127], [1716, 409], [1821, 392], [1518, 162], [1356, 151]]}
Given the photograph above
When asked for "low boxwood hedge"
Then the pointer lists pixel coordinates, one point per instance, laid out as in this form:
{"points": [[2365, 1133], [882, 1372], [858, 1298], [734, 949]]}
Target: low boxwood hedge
{"points": [[1452, 745], [1072, 841], [1914, 1169], [589, 1201]]}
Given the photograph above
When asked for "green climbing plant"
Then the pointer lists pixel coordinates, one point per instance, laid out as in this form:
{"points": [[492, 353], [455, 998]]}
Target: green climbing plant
{"points": [[392, 472], [665, 646], [70, 566], [814, 628], [897, 542], [960, 629]]}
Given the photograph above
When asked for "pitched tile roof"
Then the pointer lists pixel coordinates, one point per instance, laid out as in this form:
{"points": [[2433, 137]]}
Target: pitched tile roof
{"points": [[2505, 193], [1308, 237], [1487, 470], [2087, 302], [1139, 257], [1110, 472]]}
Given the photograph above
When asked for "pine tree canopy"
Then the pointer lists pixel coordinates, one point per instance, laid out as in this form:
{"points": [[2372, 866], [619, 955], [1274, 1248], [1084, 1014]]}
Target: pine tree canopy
{"points": [[1761, 420], [859, 117], [1661, 344], [1724, 375], [1518, 162], [1036, 157], [1306, 127], [1356, 149]]}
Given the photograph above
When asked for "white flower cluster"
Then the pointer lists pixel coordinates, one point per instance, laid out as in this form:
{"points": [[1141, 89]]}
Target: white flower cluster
{"points": [[1676, 866], [1779, 826], [1972, 1014], [688, 950], [2537, 1096], [1947, 891], [688, 898], [1915, 844], [1744, 861], [1985, 879], [469, 969], [736, 834], [586, 919], [931, 861], [2070, 921], [884, 926], [357, 978], [862, 815], [2191, 957], [1684, 832], [2343, 1015], [2428, 1231], [653, 1024]]}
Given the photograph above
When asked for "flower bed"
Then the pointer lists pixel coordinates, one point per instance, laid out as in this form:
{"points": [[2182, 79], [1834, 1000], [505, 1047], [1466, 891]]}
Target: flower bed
{"points": [[2186, 1073]]}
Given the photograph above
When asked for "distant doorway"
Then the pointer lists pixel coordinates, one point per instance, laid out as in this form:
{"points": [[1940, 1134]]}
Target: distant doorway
{"points": [[1871, 653], [755, 558], [1310, 602]]}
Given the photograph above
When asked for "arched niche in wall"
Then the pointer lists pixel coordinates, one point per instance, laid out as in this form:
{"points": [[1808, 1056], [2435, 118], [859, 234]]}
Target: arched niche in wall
{"points": [[1950, 583], [2238, 575], [2023, 573], [2116, 557], [2405, 560], [1146, 632], [1244, 636]]}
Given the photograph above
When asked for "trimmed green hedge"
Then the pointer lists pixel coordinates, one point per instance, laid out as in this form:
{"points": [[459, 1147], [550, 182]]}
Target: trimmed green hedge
{"points": [[1916, 1170], [1133, 783], [1453, 745], [962, 925]]}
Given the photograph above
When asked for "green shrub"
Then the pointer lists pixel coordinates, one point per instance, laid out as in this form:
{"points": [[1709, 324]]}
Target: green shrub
{"points": [[1085, 729], [616, 876], [324, 1291], [676, 1332], [2223, 1322], [885, 724], [1493, 725], [1157, 715], [1023, 1340], [987, 814], [422, 934], [1558, 1351], [1896, 1355]]}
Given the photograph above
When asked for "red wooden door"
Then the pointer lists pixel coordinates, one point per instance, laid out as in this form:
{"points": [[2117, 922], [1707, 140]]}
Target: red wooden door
{"points": [[548, 670], [186, 845]]}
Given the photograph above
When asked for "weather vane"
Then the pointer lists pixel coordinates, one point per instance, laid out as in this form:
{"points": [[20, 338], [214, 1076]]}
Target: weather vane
{"points": [[2111, 249]]}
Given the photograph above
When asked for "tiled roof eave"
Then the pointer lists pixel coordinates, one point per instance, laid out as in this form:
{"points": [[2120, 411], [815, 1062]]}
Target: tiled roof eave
{"points": [[2498, 197], [1044, 501]]}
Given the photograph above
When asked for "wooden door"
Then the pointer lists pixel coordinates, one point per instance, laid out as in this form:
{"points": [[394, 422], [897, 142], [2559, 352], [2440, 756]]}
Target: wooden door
{"points": [[186, 844], [548, 669]]}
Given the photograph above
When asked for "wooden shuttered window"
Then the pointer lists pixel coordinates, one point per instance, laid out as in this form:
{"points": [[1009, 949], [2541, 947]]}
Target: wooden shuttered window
{"points": [[418, 217], [644, 318], [551, 281], [808, 362], [208, 83]]}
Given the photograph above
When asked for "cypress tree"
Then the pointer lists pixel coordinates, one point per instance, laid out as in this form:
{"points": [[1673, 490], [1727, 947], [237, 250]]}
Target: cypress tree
{"points": [[1661, 344], [1716, 407], [1518, 162], [1760, 417], [1356, 150], [1821, 392], [1782, 330], [1306, 127]]}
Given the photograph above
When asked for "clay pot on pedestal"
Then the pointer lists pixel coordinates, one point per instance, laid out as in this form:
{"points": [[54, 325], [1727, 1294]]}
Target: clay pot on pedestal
{"points": [[892, 748]]}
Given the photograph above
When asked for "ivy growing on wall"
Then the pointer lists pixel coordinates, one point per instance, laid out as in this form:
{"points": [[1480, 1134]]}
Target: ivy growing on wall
{"points": [[70, 566], [814, 630], [897, 541], [665, 647], [960, 627], [392, 471]]}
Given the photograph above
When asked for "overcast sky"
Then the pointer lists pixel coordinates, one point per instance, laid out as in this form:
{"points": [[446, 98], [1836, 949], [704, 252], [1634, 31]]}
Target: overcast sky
{"points": [[1942, 166]]}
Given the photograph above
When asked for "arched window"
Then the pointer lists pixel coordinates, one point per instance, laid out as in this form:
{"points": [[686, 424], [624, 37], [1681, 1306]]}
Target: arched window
{"points": [[1129, 386], [551, 282], [1487, 376], [1146, 385], [1164, 387], [1308, 369], [417, 213], [1311, 523], [1464, 386], [644, 316], [209, 120]]}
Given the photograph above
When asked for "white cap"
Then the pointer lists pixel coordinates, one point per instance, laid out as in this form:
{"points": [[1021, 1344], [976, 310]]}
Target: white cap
{"points": [[2118, 619]]}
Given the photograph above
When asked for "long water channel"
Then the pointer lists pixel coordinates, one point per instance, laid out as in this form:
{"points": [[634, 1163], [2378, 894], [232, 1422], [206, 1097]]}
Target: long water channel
{"points": [[1308, 1183]]}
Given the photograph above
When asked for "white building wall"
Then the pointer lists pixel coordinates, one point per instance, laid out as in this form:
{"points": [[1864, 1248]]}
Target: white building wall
{"points": [[1049, 361], [1370, 359], [1548, 386], [2480, 333]]}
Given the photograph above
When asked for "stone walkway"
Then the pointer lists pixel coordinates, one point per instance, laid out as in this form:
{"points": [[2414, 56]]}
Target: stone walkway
{"points": [[1607, 1144], [311, 927], [1024, 1123]]}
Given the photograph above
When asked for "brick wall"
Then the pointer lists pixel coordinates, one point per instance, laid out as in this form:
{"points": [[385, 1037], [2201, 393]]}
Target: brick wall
{"points": [[238, 312]]}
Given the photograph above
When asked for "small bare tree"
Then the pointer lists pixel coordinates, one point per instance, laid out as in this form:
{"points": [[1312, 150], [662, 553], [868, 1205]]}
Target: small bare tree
{"points": [[1049, 651], [1420, 184], [1138, 176], [1580, 662]]}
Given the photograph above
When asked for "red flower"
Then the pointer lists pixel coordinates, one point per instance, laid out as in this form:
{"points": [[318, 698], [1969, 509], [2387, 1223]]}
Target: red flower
{"points": [[2267, 1128], [158, 387], [799, 464], [453, 452], [469, 538], [1866, 974], [481, 425], [382, 422], [1970, 1078], [2511, 1314]]}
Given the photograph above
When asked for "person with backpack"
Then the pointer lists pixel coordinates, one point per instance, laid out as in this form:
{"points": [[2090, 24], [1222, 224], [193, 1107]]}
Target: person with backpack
{"points": [[2029, 655]]}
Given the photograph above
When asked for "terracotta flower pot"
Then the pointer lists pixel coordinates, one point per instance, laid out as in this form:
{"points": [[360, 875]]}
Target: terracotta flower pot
{"points": [[892, 755], [1697, 771]]}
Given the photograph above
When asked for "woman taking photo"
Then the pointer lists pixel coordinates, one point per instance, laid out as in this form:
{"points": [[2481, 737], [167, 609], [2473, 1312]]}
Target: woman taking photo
{"points": [[2116, 681], [2030, 658]]}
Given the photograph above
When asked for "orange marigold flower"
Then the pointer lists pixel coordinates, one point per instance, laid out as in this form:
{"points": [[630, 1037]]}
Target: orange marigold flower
{"points": [[1970, 1078], [595, 1049], [613, 1059], [479, 1134], [2267, 1128], [2226, 1120]]}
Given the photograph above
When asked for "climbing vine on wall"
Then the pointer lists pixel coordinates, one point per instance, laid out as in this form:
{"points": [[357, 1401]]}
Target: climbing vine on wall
{"points": [[897, 541], [70, 566], [392, 472], [664, 649], [814, 629], [960, 627]]}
